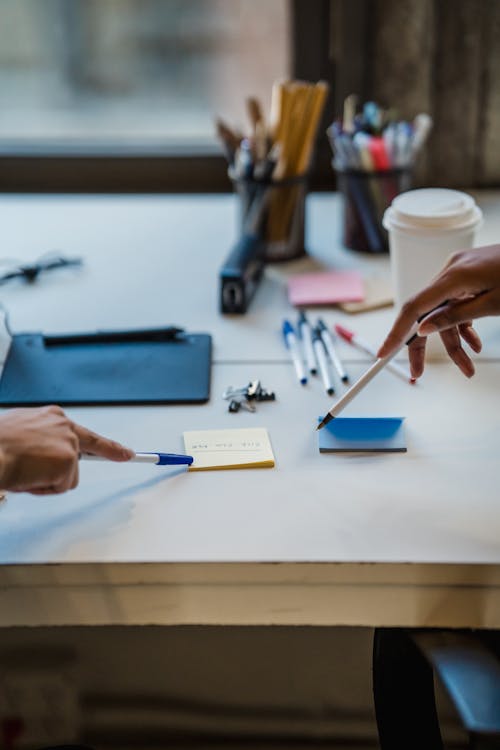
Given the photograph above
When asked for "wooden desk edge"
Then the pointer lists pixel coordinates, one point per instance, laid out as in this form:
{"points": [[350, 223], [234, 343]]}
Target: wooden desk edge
{"points": [[317, 594]]}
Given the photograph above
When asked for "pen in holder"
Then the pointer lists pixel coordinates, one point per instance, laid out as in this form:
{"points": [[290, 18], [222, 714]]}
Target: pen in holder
{"points": [[273, 211], [272, 217], [366, 196], [374, 155], [268, 168]]}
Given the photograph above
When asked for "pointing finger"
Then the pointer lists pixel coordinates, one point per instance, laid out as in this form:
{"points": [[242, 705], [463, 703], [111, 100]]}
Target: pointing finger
{"points": [[91, 442]]}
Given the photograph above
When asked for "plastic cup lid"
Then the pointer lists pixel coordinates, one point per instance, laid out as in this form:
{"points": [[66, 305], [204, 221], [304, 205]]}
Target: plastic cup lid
{"points": [[432, 208]]}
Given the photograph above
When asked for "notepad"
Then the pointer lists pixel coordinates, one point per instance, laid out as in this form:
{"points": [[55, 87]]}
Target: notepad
{"points": [[378, 293], [381, 434], [229, 449], [325, 288]]}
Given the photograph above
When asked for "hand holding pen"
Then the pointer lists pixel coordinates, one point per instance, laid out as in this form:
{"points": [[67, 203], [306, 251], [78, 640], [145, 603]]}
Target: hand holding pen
{"points": [[440, 317], [159, 459], [470, 286], [40, 448]]}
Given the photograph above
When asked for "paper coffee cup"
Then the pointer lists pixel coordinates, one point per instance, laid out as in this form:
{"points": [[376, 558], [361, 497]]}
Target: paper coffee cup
{"points": [[425, 227]]}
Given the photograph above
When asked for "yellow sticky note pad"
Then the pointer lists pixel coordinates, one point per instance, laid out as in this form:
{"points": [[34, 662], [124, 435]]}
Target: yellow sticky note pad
{"points": [[229, 449]]}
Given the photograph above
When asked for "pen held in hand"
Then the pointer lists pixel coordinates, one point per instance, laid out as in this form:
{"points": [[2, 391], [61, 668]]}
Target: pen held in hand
{"points": [[160, 459], [358, 386]]}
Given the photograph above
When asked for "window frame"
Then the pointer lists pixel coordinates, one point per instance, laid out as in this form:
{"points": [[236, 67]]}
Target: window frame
{"points": [[42, 168]]}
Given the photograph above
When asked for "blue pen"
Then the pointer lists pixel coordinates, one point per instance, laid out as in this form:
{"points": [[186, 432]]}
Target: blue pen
{"points": [[305, 332], [160, 459], [292, 345]]}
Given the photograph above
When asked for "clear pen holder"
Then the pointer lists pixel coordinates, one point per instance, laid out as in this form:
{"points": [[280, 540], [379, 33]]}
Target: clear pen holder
{"points": [[366, 195], [274, 211]]}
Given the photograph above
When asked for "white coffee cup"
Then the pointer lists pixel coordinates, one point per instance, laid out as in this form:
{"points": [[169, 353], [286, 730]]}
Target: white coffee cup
{"points": [[425, 227]]}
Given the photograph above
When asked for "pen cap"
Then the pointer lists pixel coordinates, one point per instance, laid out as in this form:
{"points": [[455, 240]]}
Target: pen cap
{"points": [[425, 226]]}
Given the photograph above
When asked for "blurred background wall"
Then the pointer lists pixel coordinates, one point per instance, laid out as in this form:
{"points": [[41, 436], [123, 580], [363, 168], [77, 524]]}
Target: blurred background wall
{"points": [[148, 76], [435, 56]]}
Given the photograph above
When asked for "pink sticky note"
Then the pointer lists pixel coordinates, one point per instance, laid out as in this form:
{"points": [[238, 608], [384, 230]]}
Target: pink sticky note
{"points": [[325, 288]]}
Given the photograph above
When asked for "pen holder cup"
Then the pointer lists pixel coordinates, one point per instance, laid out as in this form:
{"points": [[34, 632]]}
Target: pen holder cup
{"points": [[366, 195], [274, 212]]}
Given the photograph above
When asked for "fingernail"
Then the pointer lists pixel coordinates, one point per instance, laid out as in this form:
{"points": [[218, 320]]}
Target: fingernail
{"points": [[127, 454], [466, 365]]}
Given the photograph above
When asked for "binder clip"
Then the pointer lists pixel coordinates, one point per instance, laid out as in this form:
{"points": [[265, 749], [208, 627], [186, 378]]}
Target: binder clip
{"points": [[247, 396]]}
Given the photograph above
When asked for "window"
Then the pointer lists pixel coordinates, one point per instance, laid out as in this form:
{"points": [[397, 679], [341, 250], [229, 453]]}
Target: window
{"points": [[134, 72], [122, 94]]}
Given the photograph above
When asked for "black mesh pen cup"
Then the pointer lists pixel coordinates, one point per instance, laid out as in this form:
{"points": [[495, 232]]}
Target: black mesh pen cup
{"points": [[274, 212], [366, 195]]}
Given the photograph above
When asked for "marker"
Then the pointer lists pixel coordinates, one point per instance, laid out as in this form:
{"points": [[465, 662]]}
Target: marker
{"points": [[327, 339], [367, 376], [360, 344], [378, 152], [372, 115], [361, 141], [350, 103], [160, 459], [421, 127], [307, 342], [292, 345], [319, 350]]}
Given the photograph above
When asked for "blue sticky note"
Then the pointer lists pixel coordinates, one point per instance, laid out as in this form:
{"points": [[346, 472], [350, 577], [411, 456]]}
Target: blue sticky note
{"points": [[384, 434]]}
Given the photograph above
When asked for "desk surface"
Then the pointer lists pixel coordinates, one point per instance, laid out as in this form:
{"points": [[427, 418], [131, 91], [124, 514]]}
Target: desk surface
{"points": [[378, 539], [154, 260]]}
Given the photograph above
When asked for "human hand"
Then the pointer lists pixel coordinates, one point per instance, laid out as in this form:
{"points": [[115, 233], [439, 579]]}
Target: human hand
{"points": [[39, 450], [467, 288]]}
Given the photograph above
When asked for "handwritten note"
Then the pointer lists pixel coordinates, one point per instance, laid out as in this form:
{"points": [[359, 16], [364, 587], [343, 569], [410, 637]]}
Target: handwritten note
{"points": [[229, 449]]}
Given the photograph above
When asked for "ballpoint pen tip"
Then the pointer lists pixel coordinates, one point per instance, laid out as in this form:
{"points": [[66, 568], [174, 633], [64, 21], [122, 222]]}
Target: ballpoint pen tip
{"points": [[326, 419]]}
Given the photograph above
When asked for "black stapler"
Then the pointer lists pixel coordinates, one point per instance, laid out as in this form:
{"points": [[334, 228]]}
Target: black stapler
{"points": [[241, 273]]}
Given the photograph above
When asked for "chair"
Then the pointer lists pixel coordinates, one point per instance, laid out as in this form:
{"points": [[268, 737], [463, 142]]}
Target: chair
{"points": [[404, 664]]}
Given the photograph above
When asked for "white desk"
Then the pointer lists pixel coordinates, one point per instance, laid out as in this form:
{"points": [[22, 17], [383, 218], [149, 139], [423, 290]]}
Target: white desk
{"points": [[410, 539]]}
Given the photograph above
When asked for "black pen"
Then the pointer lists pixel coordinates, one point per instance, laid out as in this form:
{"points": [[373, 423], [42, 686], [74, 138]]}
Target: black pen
{"points": [[114, 337], [306, 337], [319, 350], [331, 350]]}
